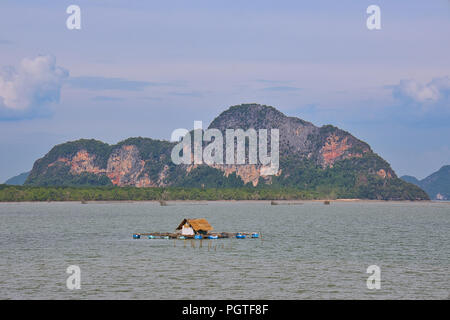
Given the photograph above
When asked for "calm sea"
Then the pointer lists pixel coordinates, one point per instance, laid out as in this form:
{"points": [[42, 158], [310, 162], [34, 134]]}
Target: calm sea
{"points": [[307, 251]]}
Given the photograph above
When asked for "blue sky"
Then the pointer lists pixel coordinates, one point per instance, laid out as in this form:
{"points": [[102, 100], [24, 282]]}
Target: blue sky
{"points": [[145, 68]]}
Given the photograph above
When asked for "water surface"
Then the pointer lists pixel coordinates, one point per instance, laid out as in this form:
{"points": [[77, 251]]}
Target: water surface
{"points": [[308, 251]]}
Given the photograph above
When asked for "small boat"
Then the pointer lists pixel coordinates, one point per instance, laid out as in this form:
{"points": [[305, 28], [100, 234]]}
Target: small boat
{"points": [[240, 236]]}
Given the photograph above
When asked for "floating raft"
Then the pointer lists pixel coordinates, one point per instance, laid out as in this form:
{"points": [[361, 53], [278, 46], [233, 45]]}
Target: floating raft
{"points": [[196, 229], [213, 235]]}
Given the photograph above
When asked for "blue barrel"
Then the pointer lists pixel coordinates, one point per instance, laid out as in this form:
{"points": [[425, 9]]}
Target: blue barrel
{"points": [[136, 236], [240, 236], [255, 235], [198, 236]]}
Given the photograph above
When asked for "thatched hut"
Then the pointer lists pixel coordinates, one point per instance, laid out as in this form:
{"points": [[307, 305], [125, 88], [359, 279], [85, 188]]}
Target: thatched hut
{"points": [[189, 227]]}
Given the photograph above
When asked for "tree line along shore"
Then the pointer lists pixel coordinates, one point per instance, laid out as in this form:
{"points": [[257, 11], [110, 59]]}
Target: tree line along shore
{"points": [[9, 193]]}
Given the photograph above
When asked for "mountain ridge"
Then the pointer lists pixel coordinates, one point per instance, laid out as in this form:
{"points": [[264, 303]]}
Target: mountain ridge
{"points": [[436, 185], [311, 158], [18, 180]]}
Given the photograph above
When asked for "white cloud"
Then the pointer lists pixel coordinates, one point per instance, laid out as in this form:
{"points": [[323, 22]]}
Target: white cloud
{"points": [[36, 83], [435, 91]]}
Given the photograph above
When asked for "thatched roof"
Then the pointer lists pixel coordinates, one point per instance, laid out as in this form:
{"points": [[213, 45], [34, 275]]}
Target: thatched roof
{"points": [[196, 224]]}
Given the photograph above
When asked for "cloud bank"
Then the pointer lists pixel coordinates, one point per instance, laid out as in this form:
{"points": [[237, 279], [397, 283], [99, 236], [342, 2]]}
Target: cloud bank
{"points": [[27, 92], [437, 91]]}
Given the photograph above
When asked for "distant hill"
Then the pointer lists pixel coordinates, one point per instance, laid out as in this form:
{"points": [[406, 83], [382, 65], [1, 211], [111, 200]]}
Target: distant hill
{"points": [[18, 180], [436, 185], [323, 159], [410, 179]]}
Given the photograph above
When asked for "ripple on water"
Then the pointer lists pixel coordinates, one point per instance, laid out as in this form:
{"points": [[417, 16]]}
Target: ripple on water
{"points": [[307, 252]]}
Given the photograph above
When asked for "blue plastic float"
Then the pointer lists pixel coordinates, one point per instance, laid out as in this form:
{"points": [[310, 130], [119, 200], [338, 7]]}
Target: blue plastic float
{"points": [[213, 237], [240, 236], [255, 235], [136, 236], [198, 236]]}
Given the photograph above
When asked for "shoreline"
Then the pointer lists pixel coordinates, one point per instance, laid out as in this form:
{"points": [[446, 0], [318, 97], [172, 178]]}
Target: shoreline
{"points": [[204, 202]]}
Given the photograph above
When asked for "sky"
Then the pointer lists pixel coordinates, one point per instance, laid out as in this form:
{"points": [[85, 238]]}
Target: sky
{"points": [[146, 68]]}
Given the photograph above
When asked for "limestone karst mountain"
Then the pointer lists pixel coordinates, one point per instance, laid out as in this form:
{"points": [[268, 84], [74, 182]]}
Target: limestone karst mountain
{"points": [[311, 158]]}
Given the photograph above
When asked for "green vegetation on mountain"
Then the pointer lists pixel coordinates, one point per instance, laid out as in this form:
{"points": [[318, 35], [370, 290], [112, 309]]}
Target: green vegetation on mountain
{"points": [[207, 177], [347, 179], [149, 149]]}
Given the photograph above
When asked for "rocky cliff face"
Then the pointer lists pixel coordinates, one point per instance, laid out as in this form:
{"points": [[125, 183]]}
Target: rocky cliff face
{"points": [[310, 158], [124, 166], [298, 138], [129, 163]]}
